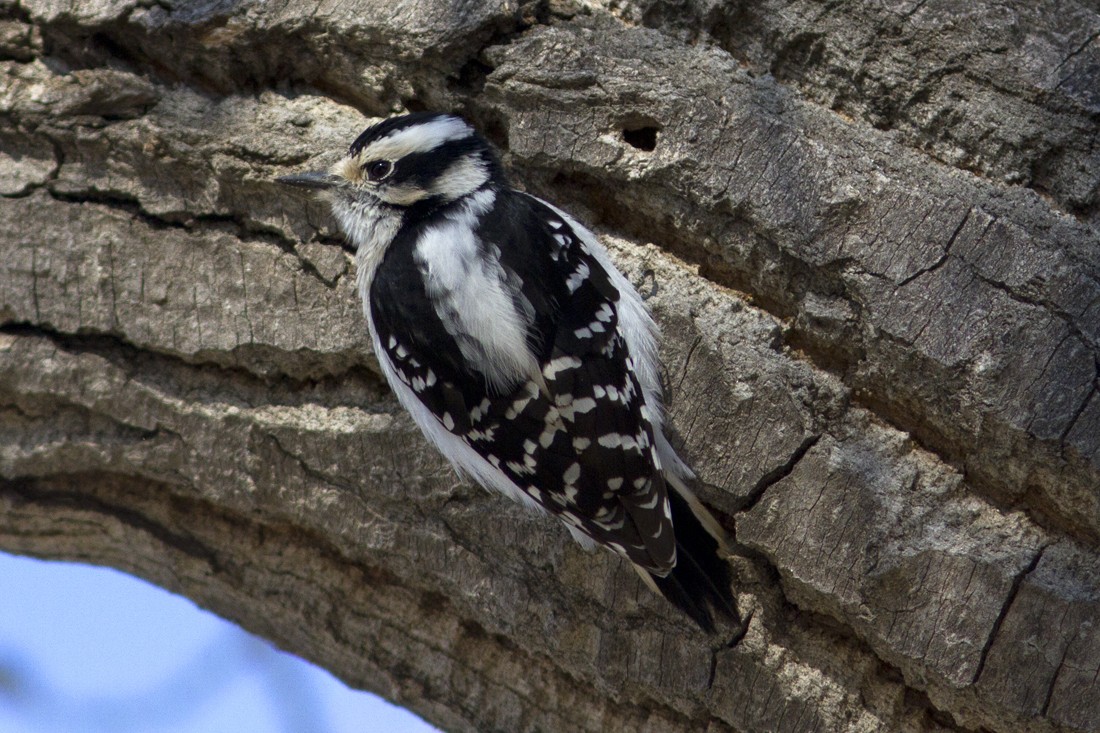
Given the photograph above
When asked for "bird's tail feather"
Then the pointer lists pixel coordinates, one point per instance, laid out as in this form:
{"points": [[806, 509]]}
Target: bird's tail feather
{"points": [[700, 583]]}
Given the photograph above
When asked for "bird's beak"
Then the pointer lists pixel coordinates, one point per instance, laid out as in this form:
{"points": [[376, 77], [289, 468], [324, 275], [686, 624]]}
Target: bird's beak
{"points": [[312, 179]]}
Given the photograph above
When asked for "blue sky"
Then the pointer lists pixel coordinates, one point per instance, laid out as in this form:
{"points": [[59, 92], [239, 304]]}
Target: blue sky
{"points": [[91, 650]]}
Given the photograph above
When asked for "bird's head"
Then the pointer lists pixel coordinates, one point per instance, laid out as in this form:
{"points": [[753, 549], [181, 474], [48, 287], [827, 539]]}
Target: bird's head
{"points": [[415, 160]]}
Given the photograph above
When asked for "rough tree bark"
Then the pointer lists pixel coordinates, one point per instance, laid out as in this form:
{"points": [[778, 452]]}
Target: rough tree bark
{"points": [[868, 230]]}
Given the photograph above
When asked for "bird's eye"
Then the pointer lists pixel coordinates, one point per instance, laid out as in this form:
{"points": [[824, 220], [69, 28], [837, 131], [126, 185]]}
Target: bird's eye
{"points": [[377, 170]]}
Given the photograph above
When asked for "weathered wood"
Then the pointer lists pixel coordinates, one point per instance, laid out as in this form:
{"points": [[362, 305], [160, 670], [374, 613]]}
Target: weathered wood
{"points": [[867, 230]]}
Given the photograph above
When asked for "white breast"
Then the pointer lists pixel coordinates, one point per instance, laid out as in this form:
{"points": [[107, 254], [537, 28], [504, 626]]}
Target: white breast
{"points": [[371, 230]]}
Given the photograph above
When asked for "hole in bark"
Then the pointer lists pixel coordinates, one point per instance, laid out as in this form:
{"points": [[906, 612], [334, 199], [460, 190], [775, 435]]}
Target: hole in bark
{"points": [[641, 137]]}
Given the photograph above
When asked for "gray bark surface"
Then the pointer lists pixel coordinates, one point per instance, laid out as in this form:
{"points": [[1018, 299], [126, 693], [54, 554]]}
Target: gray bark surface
{"points": [[867, 230]]}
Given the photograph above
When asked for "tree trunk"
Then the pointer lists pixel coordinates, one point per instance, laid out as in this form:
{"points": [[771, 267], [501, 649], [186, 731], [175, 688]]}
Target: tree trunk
{"points": [[867, 230]]}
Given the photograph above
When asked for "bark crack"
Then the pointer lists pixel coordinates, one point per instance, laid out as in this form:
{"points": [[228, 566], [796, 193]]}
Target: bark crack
{"points": [[942, 258], [790, 613], [202, 224], [1067, 318], [276, 387], [1054, 677], [28, 490], [777, 474], [1081, 408], [1074, 54], [1010, 598]]}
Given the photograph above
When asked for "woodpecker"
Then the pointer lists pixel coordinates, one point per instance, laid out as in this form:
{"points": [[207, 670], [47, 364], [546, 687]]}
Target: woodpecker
{"points": [[519, 349]]}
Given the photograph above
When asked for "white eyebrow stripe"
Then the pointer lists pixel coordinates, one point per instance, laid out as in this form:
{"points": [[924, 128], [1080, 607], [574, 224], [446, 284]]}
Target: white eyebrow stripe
{"points": [[419, 138]]}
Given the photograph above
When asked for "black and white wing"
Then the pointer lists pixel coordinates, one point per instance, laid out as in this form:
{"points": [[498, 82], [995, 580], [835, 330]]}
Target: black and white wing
{"points": [[549, 411], [572, 433]]}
